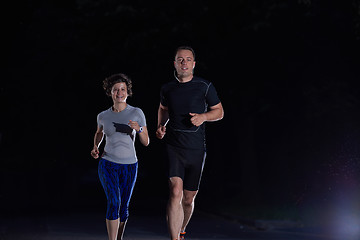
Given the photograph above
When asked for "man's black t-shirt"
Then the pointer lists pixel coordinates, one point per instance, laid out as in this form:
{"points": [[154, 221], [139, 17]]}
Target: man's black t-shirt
{"points": [[181, 99]]}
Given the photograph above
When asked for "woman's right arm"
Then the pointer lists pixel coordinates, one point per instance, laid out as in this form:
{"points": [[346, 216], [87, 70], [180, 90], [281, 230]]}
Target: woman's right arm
{"points": [[99, 134]]}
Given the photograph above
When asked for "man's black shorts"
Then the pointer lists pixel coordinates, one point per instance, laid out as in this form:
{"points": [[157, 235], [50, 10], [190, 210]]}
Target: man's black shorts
{"points": [[187, 164]]}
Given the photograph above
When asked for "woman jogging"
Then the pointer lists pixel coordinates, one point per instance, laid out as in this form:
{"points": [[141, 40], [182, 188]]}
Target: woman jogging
{"points": [[118, 164]]}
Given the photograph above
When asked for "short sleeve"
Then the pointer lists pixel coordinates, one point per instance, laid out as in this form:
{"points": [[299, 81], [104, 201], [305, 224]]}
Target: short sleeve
{"points": [[142, 119], [211, 96], [99, 122], [163, 99]]}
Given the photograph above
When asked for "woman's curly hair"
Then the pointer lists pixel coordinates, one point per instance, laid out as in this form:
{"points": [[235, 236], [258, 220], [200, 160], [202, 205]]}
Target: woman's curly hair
{"points": [[109, 82]]}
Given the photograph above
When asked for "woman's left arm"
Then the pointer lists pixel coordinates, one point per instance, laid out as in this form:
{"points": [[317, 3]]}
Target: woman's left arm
{"points": [[143, 135]]}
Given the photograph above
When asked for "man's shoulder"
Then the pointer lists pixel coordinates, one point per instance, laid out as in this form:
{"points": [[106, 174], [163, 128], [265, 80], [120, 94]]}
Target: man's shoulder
{"points": [[194, 82], [170, 83], [201, 82]]}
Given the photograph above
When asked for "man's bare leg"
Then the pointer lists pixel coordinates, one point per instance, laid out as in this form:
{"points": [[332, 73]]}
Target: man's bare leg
{"points": [[188, 203], [175, 212]]}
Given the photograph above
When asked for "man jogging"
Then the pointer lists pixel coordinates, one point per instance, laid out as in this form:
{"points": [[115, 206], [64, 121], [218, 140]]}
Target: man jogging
{"points": [[186, 103]]}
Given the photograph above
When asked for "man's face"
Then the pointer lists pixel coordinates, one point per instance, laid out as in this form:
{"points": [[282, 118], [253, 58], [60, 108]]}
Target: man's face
{"points": [[184, 63]]}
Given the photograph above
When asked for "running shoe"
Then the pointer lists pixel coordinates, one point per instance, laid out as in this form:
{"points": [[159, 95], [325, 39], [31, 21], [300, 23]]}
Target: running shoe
{"points": [[182, 235]]}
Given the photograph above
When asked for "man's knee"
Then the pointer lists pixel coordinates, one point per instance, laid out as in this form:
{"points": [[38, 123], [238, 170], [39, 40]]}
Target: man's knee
{"points": [[188, 201], [176, 188], [176, 192], [189, 198]]}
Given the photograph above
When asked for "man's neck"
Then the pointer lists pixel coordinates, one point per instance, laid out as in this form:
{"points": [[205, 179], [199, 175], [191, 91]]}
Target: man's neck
{"points": [[185, 79]]}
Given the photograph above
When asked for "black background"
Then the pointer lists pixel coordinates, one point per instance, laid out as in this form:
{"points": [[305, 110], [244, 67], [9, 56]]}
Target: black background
{"points": [[287, 73]]}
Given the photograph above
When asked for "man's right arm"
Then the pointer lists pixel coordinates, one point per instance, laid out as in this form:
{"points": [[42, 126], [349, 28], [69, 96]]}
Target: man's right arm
{"points": [[163, 117]]}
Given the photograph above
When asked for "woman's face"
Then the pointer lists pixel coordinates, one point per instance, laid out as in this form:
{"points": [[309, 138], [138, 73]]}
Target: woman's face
{"points": [[119, 92]]}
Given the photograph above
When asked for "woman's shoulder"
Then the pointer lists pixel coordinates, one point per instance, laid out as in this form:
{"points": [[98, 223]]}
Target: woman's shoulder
{"points": [[104, 113], [134, 109]]}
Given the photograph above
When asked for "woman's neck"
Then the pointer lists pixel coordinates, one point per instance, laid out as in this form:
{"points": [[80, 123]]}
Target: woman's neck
{"points": [[118, 107]]}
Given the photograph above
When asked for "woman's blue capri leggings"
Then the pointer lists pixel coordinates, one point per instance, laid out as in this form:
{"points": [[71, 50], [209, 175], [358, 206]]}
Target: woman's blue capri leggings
{"points": [[118, 181]]}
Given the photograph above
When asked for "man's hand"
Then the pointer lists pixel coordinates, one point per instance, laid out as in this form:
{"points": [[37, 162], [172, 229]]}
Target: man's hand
{"points": [[160, 132], [197, 119]]}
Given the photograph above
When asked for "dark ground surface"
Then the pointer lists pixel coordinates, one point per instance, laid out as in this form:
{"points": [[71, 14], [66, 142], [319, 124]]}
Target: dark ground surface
{"points": [[91, 226], [147, 221]]}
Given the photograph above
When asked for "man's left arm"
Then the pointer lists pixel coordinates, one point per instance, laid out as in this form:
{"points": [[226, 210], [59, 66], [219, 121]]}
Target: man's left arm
{"points": [[215, 113]]}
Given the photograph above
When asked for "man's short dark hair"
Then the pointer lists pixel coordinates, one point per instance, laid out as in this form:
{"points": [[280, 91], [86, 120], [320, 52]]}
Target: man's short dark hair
{"points": [[185, 48]]}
